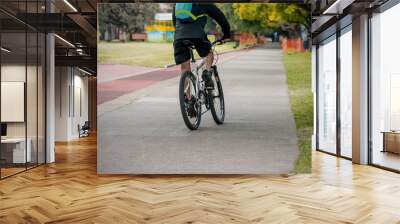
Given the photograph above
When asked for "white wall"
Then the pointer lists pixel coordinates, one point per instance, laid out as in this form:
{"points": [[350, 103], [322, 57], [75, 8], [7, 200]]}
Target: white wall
{"points": [[13, 101], [79, 117], [33, 126], [12, 73], [62, 81], [70, 83]]}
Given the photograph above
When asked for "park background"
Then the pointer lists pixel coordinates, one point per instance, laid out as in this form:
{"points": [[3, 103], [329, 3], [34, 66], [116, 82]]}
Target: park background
{"points": [[140, 36]]}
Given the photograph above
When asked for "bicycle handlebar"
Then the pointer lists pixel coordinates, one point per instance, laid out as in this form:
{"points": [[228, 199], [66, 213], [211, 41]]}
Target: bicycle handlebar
{"points": [[216, 42], [219, 42]]}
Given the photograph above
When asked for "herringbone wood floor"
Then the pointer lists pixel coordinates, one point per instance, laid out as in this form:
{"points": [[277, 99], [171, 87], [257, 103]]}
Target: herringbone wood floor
{"points": [[69, 191]]}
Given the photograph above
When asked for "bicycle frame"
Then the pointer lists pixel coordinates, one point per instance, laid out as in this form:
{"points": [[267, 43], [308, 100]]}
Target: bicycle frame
{"points": [[193, 94], [195, 68]]}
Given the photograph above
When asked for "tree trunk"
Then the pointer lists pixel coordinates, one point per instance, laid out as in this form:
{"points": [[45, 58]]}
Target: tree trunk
{"points": [[107, 35]]}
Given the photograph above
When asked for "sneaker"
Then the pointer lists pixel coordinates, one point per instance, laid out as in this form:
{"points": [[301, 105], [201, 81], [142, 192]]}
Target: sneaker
{"points": [[207, 79]]}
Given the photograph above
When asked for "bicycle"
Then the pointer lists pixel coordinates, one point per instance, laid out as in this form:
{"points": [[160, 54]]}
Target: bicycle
{"points": [[193, 94]]}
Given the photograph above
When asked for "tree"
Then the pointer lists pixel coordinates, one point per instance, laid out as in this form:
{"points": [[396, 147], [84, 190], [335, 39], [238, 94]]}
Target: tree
{"points": [[295, 16], [237, 24], [102, 17], [134, 16], [261, 18], [109, 19], [125, 18]]}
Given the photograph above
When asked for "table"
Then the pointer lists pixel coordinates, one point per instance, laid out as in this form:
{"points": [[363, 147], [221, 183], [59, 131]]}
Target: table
{"points": [[13, 150], [391, 141]]}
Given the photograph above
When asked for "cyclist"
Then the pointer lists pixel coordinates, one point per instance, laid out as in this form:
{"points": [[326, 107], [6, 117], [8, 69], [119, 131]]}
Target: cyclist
{"points": [[189, 21]]}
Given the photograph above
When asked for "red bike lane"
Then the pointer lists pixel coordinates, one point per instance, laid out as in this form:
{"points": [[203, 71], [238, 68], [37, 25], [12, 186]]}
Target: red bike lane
{"points": [[107, 91]]}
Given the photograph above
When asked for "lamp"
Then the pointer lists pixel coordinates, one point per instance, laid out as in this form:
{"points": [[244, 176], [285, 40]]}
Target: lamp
{"points": [[337, 7], [84, 71], [64, 40], [70, 5], [5, 50]]}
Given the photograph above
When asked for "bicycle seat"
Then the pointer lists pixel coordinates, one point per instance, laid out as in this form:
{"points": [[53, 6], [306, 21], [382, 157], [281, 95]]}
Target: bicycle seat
{"points": [[188, 43]]}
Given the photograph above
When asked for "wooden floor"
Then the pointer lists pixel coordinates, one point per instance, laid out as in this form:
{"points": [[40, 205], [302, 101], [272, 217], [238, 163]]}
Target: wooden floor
{"points": [[69, 191], [5, 172], [387, 159]]}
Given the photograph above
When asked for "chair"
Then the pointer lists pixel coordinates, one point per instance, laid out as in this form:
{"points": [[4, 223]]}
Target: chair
{"points": [[84, 130]]}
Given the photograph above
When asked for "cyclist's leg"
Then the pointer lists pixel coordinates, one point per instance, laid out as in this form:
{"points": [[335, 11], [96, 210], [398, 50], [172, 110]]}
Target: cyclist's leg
{"points": [[182, 57], [185, 66], [203, 48], [209, 61]]}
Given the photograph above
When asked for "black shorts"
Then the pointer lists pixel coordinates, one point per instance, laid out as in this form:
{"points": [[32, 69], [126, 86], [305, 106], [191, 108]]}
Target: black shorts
{"points": [[182, 53]]}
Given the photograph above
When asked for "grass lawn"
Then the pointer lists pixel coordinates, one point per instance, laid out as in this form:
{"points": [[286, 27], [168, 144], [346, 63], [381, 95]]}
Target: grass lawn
{"points": [[142, 53], [298, 71]]}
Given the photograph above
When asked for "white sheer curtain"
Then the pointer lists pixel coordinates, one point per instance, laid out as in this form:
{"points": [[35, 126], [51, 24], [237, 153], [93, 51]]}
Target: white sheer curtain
{"points": [[327, 95]]}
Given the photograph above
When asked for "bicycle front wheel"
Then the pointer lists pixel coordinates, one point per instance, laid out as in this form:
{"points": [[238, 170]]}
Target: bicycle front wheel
{"points": [[216, 99], [189, 103]]}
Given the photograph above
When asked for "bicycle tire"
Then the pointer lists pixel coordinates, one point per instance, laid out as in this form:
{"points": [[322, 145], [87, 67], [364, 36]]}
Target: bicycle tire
{"points": [[191, 125], [218, 117]]}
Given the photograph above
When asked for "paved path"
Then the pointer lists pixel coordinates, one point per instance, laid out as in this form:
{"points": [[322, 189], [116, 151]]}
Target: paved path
{"points": [[117, 80], [143, 133]]}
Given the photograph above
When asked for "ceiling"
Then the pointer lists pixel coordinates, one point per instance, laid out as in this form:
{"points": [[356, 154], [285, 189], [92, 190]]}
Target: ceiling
{"points": [[74, 22], [244, 1]]}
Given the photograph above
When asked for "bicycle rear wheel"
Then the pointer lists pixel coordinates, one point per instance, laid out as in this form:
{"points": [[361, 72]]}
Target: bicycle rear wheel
{"points": [[189, 104], [216, 99]]}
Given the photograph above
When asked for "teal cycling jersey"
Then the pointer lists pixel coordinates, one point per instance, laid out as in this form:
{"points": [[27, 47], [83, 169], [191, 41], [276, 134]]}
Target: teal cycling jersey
{"points": [[190, 19], [186, 13]]}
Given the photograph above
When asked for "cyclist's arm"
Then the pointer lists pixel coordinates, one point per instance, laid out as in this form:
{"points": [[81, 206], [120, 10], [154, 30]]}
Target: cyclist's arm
{"points": [[214, 12]]}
